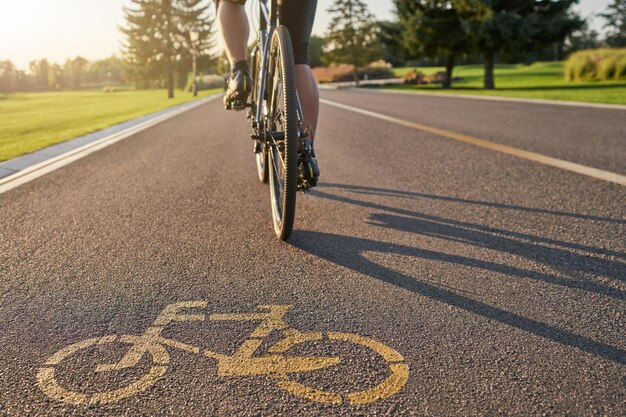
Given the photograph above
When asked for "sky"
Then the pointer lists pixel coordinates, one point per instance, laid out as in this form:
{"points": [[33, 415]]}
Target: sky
{"points": [[60, 29]]}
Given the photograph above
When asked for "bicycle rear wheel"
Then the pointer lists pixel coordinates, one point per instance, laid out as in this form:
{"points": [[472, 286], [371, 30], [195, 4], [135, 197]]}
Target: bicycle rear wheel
{"points": [[283, 130], [48, 382]]}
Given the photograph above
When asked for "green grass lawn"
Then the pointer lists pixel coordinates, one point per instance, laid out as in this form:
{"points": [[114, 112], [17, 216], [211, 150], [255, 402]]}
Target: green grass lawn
{"points": [[542, 80], [32, 121]]}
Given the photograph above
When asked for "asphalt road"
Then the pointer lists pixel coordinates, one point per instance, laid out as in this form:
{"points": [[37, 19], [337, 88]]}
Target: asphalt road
{"points": [[500, 283]]}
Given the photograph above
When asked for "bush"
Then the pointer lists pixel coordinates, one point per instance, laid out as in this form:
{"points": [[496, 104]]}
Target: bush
{"points": [[414, 77], [417, 77], [620, 68], [377, 70], [333, 73], [606, 68], [344, 72], [596, 65]]}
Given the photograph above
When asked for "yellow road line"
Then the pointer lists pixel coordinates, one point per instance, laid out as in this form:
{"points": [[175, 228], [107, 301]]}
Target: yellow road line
{"points": [[531, 156]]}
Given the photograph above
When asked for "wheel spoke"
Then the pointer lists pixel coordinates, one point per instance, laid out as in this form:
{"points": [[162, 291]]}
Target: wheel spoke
{"points": [[277, 185], [278, 170], [277, 145]]}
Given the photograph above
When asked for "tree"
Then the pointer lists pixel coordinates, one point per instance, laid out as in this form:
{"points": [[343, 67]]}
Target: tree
{"points": [[13, 79], [107, 71], [615, 16], [148, 42], [351, 35], [74, 71], [501, 26], [583, 38], [8, 76], [55, 76], [391, 42], [39, 72], [316, 50], [191, 13], [433, 28], [158, 43]]}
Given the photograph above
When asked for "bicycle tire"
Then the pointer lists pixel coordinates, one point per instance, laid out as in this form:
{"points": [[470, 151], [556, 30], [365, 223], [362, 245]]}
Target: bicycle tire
{"points": [[282, 77]]}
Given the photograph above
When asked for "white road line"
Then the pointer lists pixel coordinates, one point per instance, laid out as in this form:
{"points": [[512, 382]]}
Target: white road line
{"points": [[45, 167], [532, 156]]}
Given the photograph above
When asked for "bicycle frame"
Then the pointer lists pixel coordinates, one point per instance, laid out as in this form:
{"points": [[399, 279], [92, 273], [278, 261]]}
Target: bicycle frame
{"points": [[269, 19], [242, 362]]}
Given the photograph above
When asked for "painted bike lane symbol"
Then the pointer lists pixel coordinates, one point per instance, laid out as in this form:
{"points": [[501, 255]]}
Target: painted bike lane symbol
{"points": [[243, 363]]}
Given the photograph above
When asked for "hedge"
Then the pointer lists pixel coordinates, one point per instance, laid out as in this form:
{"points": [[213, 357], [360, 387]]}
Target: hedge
{"points": [[596, 65], [378, 70]]}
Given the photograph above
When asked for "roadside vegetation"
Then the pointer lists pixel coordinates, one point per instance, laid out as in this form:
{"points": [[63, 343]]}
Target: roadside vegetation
{"points": [[596, 65], [484, 47], [462, 46], [32, 121], [541, 80], [48, 102]]}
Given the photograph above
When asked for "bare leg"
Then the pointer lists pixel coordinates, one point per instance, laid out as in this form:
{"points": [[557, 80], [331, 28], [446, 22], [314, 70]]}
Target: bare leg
{"points": [[233, 26], [309, 96]]}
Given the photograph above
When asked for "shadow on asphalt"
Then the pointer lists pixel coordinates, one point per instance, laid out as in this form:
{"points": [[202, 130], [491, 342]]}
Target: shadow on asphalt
{"points": [[348, 252]]}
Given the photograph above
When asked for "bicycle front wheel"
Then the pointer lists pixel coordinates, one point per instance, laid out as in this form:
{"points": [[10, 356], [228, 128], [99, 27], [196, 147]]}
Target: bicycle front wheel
{"points": [[283, 132], [396, 379]]}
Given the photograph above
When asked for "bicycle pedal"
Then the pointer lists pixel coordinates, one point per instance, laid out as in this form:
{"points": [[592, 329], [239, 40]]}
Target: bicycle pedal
{"points": [[239, 105]]}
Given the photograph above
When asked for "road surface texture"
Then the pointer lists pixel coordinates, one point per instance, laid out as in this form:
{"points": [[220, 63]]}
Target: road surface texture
{"points": [[497, 285]]}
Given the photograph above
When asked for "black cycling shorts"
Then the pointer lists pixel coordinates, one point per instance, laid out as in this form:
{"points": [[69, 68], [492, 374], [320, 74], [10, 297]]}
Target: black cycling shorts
{"points": [[298, 17]]}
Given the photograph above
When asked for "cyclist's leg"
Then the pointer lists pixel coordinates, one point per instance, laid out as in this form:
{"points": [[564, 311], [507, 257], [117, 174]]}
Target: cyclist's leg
{"points": [[233, 26], [234, 29], [309, 96], [298, 17]]}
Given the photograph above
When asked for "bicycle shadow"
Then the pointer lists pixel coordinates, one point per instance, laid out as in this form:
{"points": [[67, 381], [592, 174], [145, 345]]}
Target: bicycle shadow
{"points": [[366, 190], [565, 257], [349, 252]]}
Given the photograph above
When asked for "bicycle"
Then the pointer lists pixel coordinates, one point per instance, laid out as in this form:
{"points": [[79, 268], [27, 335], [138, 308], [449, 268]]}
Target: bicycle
{"points": [[243, 363], [280, 142]]}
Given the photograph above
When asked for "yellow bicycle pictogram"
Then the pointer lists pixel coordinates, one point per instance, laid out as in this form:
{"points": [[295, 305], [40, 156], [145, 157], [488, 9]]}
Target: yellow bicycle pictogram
{"points": [[243, 363]]}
